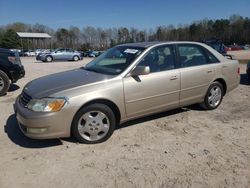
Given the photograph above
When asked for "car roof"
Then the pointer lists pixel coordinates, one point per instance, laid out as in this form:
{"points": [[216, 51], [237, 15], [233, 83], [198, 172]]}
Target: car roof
{"points": [[155, 43]]}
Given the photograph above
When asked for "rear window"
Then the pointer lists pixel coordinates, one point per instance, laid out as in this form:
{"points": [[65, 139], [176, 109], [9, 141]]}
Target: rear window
{"points": [[211, 57]]}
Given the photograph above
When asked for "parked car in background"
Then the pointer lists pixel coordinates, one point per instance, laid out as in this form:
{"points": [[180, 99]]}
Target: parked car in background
{"points": [[248, 70], [30, 53], [92, 53], [15, 50], [21, 53], [217, 45], [98, 53], [40, 51], [60, 54], [126, 82], [11, 69], [234, 47], [246, 47]]}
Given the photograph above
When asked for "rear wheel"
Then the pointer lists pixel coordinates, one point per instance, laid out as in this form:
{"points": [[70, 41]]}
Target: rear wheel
{"points": [[76, 58], [49, 58], [4, 83], [93, 124], [213, 97]]}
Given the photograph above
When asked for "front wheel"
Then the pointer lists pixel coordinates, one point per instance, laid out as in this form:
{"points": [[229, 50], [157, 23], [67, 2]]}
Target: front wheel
{"points": [[4, 83], [213, 96], [93, 124]]}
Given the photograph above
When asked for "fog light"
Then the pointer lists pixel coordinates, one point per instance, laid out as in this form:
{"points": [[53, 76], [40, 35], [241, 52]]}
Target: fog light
{"points": [[36, 130]]}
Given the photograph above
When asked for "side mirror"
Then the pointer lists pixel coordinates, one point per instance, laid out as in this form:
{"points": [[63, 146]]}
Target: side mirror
{"points": [[140, 70]]}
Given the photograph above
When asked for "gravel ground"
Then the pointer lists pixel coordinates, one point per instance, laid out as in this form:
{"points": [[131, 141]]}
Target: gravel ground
{"points": [[241, 54], [186, 147]]}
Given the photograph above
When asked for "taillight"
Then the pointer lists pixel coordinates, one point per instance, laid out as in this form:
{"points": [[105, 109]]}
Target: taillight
{"points": [[12, 59], [238, 70]]}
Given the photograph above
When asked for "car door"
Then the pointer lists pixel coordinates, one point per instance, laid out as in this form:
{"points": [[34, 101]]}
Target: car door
{"points": [[157, 91], [196, 73], [59, 54], [69, 54]]}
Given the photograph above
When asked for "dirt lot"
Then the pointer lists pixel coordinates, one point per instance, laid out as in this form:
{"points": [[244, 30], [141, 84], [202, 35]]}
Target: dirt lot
{"points": [[182, 148]]}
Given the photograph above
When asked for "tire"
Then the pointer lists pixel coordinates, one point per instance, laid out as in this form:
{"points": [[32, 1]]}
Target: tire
{"points": [[93, 124], [76, 58], [49, 58], [4, 83], [213, 96]]}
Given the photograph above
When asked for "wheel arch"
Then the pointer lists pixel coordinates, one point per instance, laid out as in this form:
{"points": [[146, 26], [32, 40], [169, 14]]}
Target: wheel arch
{"points": [[223, 83], [6, 72], [49, 55], [77, 56], [107, 102]]}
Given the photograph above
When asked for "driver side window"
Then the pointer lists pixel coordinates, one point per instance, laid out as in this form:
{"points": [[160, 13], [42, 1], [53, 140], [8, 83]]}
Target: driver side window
{"points": [[159, 59], [60, 51]]}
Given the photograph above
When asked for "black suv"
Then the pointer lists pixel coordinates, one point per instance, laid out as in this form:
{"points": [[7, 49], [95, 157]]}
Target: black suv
{"points": [[11, 69]]}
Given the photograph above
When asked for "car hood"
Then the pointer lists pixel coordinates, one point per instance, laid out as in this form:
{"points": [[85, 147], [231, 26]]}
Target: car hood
{"points": [[48, 85]]}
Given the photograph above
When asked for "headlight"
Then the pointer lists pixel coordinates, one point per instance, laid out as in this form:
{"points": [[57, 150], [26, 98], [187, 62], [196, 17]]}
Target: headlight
{"points": [[46, 104]]}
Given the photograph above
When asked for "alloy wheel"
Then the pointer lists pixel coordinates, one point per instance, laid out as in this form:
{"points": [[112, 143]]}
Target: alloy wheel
{"points": [[215, 96]]}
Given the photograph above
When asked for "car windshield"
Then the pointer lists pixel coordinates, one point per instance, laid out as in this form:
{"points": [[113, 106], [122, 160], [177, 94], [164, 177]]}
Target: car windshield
{"points": [[115, 60]]}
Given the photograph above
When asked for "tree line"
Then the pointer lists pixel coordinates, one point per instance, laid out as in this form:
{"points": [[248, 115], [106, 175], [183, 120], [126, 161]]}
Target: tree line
{"points": [[235, 29]]}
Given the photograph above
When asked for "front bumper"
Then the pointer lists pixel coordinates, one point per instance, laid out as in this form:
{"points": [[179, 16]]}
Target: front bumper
{"points": [[53, 124], [40, 57]]}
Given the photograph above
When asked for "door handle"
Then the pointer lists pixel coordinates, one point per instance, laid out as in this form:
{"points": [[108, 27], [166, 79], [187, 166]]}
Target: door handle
{"points": [[173, 77], [224, 66], [209, 71]]}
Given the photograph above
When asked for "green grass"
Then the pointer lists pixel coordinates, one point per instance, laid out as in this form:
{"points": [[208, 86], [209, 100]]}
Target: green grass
{"points": [[244, 61]]}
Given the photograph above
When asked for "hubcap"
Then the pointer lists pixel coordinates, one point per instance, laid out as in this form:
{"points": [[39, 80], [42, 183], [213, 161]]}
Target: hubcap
{"points": [[1, 84], [214, 96], [93, 125], [49, 59], [76, 58]]}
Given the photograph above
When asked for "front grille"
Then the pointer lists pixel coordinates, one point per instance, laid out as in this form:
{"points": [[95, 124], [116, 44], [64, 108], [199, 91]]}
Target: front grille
{"points": [[25, 99]]}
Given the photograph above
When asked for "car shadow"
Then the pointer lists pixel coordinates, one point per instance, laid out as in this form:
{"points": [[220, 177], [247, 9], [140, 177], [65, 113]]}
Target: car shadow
{"points": [[244, 79], [152, 117], [13, 87], [16, 136]]}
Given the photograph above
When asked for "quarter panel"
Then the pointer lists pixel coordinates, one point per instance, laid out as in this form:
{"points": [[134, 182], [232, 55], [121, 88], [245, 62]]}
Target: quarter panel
{"points": [[228, 70]]}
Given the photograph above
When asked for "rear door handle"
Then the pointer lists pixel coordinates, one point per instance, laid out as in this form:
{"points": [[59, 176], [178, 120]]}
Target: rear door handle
{"points": [[224, 66], [173, 77], [209, 71]]}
